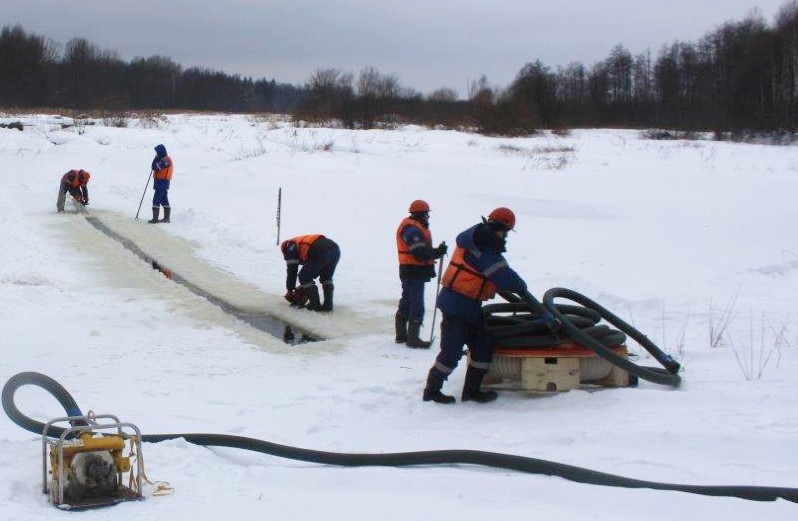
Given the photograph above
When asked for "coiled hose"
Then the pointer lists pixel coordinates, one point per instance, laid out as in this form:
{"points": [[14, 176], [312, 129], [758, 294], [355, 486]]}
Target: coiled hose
{"points": [[667, 376], [524, 328], [399, 459]]}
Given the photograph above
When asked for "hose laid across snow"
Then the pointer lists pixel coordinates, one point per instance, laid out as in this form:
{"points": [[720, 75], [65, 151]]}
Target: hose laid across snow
{"points": [[397, 459]]}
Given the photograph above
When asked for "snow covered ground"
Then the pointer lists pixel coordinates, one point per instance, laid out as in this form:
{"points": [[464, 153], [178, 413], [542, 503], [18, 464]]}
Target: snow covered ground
{"points": [[671, 236]]}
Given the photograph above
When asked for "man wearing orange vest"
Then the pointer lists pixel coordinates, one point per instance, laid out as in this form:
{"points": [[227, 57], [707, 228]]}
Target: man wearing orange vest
{"points": [[318, 257], [75, 184], [416, 267], [162, 175], [475, 274]]}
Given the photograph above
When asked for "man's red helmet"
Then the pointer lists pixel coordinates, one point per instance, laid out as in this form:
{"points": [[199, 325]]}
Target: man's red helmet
{"points": [[418, 206], [503, 216]]}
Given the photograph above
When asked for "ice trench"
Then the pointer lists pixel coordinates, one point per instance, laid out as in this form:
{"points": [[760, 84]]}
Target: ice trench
{"points": [[264, 319]]}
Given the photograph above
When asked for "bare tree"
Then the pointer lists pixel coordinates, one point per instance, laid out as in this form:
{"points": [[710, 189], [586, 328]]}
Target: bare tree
{"points": [[443, 94]]}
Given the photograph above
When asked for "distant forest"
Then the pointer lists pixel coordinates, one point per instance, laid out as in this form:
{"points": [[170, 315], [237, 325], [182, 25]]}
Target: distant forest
{"points": [[740, 78]]}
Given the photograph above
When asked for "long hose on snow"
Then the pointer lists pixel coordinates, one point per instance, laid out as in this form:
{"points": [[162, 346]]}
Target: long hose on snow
{"points": [[397, 459]]}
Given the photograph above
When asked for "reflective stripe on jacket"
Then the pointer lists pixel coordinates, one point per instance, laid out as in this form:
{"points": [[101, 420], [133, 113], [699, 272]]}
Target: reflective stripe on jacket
{"points": [[464, 279], [405, 251]]}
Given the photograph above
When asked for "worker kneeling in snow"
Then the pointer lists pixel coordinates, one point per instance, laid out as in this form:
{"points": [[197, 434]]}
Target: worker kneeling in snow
{"points": [[318, 257], [73, 183], [476, 273]]}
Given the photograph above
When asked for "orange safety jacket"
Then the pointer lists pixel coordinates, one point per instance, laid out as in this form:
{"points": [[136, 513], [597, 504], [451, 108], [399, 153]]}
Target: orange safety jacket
{"points": [[303, 242], [166, 171], [75, 179], [405, 252], [462, 278]]}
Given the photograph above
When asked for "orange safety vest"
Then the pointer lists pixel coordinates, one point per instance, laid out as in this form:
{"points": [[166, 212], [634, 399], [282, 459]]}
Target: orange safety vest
{"points": [[405, 255], [76, 180], [462, 278], [304, 242], [166, 173]]}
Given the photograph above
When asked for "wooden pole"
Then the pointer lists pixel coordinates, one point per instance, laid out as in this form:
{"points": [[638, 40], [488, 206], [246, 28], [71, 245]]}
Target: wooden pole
{"points": [[279, 208]]}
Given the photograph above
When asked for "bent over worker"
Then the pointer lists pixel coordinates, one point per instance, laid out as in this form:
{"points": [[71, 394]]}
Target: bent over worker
{"points": [[416, 267], [75, 184], [162, 168], [475, 274], [318, 256]]}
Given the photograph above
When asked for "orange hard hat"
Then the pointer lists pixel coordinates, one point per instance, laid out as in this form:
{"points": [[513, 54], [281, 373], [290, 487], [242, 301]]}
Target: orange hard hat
{"points": [[503, 216], [418, 206]]}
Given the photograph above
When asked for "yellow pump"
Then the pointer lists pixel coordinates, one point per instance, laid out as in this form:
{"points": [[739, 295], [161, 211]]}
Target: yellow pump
{"points": [[87, 462]]}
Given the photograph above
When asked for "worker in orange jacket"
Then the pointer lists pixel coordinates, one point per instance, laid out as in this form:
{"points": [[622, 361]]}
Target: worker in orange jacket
{"points": [[417, 259], [162, 168], [476, 273], [75, 184], [318, 256]]}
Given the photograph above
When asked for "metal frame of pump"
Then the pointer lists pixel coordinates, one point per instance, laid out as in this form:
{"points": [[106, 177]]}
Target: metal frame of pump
{"points": [[86, 435]]}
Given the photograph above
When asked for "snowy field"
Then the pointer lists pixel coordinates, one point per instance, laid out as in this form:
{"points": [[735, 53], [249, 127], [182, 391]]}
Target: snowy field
{"points": [[694, 242]]}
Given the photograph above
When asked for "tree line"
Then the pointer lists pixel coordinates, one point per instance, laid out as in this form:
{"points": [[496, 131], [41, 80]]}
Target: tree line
{"points": [[35, 72], [740, 77]]}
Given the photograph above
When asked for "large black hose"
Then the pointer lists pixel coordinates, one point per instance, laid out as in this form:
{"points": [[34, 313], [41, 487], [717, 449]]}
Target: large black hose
{"points": [[668, 376], [524, 328], [397, 459]]}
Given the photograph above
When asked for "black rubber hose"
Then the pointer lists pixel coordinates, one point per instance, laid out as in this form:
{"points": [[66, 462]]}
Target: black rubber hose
{"points": [[397, 459], [523, 329], [607, 337], [668, 376], [473, 457], [521, 310], [45, 382], [526, 325]]}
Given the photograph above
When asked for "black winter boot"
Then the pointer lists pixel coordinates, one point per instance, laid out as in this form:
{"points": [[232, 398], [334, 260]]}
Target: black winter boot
{"points": [[413, 341], [312, 291], [471, 388], [400, 323], [432, 393], [156, 211], [167, 212], [328, 288]]}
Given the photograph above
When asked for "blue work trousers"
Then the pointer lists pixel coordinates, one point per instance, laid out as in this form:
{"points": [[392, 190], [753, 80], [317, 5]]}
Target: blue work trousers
{"points": [[411, 305], [161, 197], [456, 333], [322, 266]]}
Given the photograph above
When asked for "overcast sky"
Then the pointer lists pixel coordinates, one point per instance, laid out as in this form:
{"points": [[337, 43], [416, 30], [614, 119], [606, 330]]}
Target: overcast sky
{"points": [[427, 43]]}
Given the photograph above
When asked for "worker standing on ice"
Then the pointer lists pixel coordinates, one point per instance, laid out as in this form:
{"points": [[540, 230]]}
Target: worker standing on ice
{"points": [[162, 167], [476, 273], [75, 184], [318, 257], [416, 267]]}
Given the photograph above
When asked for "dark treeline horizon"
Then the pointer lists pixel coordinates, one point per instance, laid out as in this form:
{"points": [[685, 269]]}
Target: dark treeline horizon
{"points": [[740, 77]]}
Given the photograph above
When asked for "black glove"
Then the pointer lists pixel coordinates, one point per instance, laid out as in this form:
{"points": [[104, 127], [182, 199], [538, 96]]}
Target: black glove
{"points": [[509, 297], [85, 202], [440, 251], [300, 297]]}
